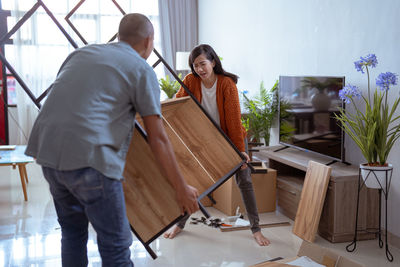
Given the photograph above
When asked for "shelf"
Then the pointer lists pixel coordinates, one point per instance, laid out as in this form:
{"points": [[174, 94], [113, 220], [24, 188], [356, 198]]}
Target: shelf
{"points": [[299, 159]]}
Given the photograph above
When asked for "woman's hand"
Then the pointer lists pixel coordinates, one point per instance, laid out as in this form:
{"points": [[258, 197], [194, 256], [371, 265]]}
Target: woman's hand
{"points": [[244, 166]]}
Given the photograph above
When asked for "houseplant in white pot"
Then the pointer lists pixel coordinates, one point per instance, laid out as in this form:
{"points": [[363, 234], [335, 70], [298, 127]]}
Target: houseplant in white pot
{"points": [[170, 86], [261, 113], [374, 126]]}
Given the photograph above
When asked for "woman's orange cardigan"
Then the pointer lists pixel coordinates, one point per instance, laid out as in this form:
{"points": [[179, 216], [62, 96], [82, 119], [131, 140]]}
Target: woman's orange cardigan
{"points": [[228, 106]]}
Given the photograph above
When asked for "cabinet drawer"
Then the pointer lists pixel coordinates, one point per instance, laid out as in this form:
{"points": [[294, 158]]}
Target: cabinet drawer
{"points": [[288, 195]]}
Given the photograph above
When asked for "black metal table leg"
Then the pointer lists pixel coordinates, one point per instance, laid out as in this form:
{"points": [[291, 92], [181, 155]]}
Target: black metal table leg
{"points": [[204, 210]]}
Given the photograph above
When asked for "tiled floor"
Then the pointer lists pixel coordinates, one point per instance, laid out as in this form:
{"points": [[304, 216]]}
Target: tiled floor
{"points": [[30, 236]]}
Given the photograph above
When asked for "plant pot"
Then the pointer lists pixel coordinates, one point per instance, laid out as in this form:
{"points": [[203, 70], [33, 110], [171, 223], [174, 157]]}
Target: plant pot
{"points": [[320, 101], [375, 176]]}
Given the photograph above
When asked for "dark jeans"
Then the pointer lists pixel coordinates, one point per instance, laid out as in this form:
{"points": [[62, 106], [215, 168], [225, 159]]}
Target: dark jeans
{"points": [[83, 196]]}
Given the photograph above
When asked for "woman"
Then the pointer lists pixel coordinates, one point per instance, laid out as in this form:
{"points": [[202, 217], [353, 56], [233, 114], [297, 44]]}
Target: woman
{"points": [[216, 90]]}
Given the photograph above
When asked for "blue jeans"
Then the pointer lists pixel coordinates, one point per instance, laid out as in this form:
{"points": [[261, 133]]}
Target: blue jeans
{"points": [[82, 196]]}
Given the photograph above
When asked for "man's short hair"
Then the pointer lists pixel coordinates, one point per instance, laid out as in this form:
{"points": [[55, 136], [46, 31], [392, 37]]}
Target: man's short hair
{"points": [[135, 27]]}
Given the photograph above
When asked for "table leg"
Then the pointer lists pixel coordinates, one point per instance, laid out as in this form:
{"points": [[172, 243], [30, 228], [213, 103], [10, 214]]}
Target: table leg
{"points": [[25, 174], [22, 173]]}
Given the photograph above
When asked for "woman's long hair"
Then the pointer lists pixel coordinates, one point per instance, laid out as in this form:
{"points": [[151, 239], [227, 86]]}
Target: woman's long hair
{"points": [[210, 54]]}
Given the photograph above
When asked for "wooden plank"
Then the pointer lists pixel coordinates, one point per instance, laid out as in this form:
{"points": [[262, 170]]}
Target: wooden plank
{"points": [[150, 198], [311, 201], [195, 174], [271, 264], [202, 138], [262, 225], [203, 155], [170, 105]]}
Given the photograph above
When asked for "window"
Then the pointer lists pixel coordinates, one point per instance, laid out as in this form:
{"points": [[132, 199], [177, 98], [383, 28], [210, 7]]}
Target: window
{"points": [[43, 46]]}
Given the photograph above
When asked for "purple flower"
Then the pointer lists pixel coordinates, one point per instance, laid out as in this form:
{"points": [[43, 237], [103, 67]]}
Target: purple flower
{"points": [[369, 60], [349, 92], [386, 79], [359, 66]]}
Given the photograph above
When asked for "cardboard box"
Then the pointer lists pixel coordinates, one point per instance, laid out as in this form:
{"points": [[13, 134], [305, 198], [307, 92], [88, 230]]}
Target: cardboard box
{"points": [[318, 254], [228, 195]]}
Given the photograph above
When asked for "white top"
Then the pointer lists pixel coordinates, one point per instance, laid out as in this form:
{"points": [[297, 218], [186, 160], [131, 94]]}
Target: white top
{"points": [[209, 101]]}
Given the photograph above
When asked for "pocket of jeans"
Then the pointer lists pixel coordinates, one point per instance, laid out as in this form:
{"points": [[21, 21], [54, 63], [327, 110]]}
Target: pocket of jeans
{"points": [[90, 186]]}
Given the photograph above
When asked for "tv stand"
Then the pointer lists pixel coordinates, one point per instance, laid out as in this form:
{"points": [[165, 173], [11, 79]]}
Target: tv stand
{"points": [[281, 148], [338, 219], [335, 161]]}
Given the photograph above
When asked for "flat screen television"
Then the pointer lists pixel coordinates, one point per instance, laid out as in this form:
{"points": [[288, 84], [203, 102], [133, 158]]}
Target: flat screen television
{"points": [[307, 105]]}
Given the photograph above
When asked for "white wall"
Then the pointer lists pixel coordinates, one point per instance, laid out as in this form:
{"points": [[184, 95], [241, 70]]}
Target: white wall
{"points": [[262, 39]]}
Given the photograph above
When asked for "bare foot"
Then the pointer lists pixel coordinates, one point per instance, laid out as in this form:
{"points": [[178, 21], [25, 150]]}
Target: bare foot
{"points": [[261, 239], [173, 231]]}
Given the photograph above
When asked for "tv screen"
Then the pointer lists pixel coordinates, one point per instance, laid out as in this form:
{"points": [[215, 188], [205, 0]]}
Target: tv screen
{"points": [[307, 105]]}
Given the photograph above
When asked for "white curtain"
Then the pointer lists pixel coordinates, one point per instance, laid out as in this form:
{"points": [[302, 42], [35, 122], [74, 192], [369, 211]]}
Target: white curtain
{"points": [[179, 27], [39, 47]]}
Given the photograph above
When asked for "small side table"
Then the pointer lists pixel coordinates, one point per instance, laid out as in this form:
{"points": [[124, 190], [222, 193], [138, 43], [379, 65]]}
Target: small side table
{"points": [[385, 189], [14, 156]]}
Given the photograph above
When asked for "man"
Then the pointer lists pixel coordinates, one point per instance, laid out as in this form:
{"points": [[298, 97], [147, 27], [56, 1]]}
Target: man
{"points": [[82, 134]]}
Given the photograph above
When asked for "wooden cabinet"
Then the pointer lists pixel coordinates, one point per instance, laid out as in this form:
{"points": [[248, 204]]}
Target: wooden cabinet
{"points": [[289, 191], [337, 221]]}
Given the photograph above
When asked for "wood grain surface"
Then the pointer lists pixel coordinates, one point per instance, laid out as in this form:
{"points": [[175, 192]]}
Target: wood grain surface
{"points": [[195, 174], [271, 264], [203, 155], [150, 198], [202, 138], [311, 201], [262, 225]]}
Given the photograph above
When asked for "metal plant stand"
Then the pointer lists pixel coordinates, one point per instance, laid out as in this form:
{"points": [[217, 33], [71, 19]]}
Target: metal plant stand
{"points": [[384, 187]]}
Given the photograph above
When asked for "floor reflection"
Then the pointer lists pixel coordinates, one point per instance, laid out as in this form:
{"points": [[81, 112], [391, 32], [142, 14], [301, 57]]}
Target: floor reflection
{"points": [[30, 236]]}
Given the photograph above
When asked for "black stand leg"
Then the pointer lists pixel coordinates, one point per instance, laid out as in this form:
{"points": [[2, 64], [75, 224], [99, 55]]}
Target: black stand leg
{"points": [[385, 188], [380, 216], [389, 255], [354, 243]]}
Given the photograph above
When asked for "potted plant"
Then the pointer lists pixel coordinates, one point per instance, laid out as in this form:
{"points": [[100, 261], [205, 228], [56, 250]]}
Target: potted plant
{"points": [[170, 87], [259, 117], [374, 128], [261, 114]]}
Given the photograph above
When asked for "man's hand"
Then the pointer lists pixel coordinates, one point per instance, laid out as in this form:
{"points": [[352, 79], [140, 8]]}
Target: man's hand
{"points": [[187, 199]]}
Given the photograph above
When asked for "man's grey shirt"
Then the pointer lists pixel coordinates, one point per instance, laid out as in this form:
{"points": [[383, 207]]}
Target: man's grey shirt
{"points": [[88, 117]]}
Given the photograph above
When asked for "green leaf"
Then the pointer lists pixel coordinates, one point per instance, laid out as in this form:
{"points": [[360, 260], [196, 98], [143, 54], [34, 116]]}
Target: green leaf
{"points": [[170, 87], [261, 112]]}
